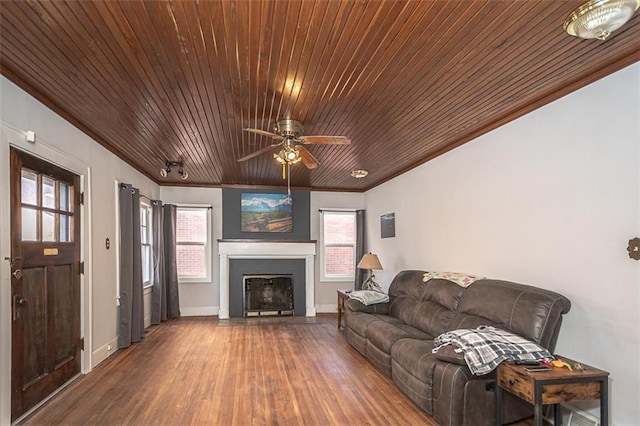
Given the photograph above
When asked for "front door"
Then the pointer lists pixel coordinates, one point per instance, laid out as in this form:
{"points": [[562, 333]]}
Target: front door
{"points": [[45, 282]]}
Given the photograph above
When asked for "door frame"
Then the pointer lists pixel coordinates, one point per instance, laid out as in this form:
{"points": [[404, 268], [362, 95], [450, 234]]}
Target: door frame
{"points": [[14, 138]]}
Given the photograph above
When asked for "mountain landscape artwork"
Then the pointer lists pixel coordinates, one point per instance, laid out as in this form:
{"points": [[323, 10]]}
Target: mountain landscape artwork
{"points": [[266, 212]]}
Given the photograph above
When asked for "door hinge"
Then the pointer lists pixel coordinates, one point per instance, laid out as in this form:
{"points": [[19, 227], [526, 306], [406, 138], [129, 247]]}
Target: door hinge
{"points": [[82, 268], [82, 198], [82, 344]]}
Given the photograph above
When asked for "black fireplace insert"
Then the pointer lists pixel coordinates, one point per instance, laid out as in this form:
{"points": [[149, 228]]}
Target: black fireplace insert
{"points": [[268, 295]]}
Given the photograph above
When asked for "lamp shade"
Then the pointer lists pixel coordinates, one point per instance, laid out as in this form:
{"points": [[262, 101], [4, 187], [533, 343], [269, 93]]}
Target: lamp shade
{"points": [[369, 261]]}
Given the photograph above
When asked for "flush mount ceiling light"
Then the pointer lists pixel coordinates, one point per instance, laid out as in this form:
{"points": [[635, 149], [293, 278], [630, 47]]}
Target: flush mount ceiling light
{"points": [[359, 173], [599, 18], [174, 164]]}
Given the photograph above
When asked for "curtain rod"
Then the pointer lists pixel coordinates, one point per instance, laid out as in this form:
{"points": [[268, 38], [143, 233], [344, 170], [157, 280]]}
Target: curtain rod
{"points": [[338, 210]]}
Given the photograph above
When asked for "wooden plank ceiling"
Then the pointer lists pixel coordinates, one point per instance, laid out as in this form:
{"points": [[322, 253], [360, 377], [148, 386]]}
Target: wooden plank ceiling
{"points": [[405, 80]]}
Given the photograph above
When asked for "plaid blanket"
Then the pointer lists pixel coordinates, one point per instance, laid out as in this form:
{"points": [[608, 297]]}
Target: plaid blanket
{"points": [[485, 347]]}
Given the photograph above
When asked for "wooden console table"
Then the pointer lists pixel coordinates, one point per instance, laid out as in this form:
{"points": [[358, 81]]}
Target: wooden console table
{"points": [[343, 295], [553, 387]]}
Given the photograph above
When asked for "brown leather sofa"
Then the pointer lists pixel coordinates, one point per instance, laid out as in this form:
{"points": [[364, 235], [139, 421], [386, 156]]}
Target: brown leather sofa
{"points": [[397, 338]]}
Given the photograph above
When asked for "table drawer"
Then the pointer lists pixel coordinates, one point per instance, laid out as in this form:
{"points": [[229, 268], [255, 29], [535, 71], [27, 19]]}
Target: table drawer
{"points": [[517, 383]]}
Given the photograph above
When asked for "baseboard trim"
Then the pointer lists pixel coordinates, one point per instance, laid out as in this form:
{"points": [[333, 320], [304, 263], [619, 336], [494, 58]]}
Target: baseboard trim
{"points": [[204, 311], [104, 352], [326, 309]]}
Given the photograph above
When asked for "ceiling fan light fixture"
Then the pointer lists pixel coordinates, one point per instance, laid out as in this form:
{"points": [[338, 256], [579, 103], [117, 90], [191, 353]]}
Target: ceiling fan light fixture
{"points": [[599, 18], [288, 155], [292, 143], [359, 173], [292, 154]]}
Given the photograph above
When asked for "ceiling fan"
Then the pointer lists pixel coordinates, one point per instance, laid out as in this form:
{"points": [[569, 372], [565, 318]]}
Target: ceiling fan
{"points": [[289, 134]]}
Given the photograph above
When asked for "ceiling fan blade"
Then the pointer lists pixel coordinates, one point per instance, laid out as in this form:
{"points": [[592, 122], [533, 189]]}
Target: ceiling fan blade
{"points": [[256, 153], [335, 140], [263, 133], [307, 158]]}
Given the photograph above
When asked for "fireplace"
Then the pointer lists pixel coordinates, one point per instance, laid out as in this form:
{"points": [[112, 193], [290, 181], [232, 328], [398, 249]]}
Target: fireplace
{"points": [[268, 295], [251, 257]]}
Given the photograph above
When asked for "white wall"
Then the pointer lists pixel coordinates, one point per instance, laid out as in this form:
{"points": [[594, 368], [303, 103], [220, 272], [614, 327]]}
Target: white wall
{"points": [[62, 144], [200, 298], [326, 298], [204, 298], [550, 200]]}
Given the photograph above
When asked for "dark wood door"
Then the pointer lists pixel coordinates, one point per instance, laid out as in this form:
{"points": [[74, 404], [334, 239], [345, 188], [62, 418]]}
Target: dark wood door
{"points": [[45, 282]]}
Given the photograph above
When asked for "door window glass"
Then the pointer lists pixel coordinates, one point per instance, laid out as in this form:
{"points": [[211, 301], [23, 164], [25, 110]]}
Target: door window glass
{"points": [[64, 197], [29, 187], [65, 232], [48, 192], [29, 224], [48, 226]]}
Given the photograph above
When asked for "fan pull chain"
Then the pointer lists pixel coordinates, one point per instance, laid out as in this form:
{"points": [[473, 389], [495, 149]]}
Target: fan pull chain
{"points": [[289, 183], [284, 171]]}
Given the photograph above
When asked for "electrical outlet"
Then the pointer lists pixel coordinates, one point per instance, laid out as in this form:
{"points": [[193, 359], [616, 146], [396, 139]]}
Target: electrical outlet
{"points": [[109, 348]]}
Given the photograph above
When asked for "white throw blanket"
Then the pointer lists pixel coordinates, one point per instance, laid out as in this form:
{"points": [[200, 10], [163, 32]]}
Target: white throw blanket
{"points": [[463, 280], [369, 297]]}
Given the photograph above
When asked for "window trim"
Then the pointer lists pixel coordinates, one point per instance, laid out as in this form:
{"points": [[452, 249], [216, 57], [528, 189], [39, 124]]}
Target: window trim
{"points": [[207, 278], [336, 278], [146, 207]]}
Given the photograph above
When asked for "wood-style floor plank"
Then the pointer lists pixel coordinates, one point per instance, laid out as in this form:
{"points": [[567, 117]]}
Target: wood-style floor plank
{"points": [[201, 371], [259, 371]]}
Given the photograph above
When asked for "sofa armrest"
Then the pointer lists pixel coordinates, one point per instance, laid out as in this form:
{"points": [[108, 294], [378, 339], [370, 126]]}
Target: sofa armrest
{"points": [[353, 305], [448, 354]]}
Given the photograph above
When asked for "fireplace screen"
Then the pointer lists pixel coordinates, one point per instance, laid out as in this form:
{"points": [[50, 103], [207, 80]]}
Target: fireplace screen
{"points": [[268, 295]]}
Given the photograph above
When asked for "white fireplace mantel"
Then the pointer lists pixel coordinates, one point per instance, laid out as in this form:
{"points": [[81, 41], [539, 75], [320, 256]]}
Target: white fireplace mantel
{"points": [[252, 249]]}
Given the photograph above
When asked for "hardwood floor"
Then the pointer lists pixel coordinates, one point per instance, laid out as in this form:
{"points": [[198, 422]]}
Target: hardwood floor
{"points": [[262, 371], [200, 371]]}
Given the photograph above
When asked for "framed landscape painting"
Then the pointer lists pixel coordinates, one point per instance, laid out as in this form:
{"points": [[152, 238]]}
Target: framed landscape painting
{"points": [[266, 212]]}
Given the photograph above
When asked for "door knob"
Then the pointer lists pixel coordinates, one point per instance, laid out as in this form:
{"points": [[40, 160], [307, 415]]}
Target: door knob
{"points": [[17, 274]]}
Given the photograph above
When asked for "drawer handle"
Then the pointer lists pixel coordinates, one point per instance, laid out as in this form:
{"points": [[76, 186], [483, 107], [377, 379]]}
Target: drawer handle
{"points": [[512, 382]]}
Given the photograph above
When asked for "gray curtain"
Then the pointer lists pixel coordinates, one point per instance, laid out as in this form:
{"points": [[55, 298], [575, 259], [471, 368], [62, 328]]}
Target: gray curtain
{"points": [[159, 295], [360, 248], [170, 267], [130, 311], [165, 301]]}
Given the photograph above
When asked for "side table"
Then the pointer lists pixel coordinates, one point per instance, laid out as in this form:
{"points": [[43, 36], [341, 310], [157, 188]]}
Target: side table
{"points": [[553, 387], [343, 295]]}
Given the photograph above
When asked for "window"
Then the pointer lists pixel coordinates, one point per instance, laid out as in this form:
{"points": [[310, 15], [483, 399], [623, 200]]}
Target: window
{"points": [[337, 252], [47, 208], [145, 241], [193, 247]]}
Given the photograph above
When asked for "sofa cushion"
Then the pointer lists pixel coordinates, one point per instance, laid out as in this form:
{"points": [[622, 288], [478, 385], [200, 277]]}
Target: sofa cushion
{"points": [[427, 306], [416, 357], [525, 310], [440, 301], [383, 334], [358, 322]]}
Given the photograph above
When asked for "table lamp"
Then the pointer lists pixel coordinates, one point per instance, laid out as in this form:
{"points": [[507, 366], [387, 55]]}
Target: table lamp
{"points": [[370, 261]]}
